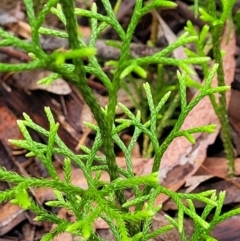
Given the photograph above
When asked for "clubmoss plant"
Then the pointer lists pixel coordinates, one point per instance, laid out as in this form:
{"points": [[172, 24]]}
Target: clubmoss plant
{"points": [[216, 22], [106, 199]]}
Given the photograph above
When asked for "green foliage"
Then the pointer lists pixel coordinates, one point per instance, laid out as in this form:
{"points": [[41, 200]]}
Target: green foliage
{"points": [[106, 199], [216, 21]]}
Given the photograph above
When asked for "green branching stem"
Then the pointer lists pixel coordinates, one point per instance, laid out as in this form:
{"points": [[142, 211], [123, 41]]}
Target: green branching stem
{"points": [[181, 119], [163, 123], [221, 109], [81, 83], [121, 64]]}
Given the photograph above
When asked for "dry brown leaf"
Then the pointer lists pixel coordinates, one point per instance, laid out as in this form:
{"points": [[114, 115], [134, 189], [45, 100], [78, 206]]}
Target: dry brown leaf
{"points": [[85, 31], [182, 159], [22, 29], [195, 181], [227, 230], [8, 126], [234, 117], [14, 22], [11, 215], [29, 81], [218, 167], [233, 106], [86, 116], [28, 231], [62, 236]]}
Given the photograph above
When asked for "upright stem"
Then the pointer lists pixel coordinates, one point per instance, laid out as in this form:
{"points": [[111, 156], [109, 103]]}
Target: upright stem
{"points": [[81, 82], [105, 122], [123, 58], [221, 109]]}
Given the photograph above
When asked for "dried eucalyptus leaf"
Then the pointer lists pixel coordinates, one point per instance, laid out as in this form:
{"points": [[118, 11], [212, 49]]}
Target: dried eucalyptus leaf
{"points": [[28, 81]]}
